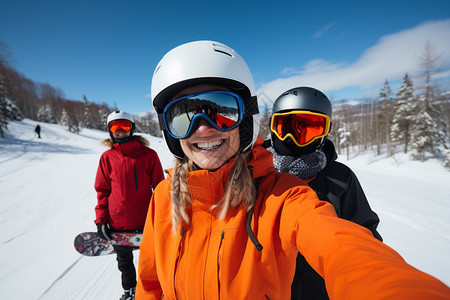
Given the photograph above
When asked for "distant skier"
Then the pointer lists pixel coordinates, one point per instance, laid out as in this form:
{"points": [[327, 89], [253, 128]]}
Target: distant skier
{"points": [[126, 176], [38, 131]]}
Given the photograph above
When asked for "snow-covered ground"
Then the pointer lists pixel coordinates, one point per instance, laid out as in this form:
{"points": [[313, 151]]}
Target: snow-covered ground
{"points": [[47, 198]]}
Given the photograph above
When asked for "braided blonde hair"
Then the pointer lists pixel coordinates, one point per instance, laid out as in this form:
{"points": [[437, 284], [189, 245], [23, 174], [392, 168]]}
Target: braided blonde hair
{"points": [[239, 190]]}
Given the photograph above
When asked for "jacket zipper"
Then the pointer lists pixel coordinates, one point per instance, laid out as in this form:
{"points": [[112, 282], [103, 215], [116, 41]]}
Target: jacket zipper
{"points": [[135, 177], [219, 258], [180, 248]]}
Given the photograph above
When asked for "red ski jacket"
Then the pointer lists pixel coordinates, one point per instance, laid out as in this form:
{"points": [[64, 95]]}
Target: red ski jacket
{"points": [[126, 176]]}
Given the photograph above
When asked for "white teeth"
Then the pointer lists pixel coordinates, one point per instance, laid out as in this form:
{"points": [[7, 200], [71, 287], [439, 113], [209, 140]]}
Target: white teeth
{"points": [[209, 145]]}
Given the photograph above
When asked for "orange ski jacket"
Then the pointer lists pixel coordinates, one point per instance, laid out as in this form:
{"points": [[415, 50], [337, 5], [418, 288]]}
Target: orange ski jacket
{"points": [[216, 259]]}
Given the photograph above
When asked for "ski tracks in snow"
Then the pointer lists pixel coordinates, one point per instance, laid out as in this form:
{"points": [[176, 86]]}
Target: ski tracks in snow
{"points": [[100, 280], [60, 277]]}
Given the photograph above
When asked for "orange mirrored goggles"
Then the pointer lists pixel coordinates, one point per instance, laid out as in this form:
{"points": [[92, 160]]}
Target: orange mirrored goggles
{"points": [[303, 127], [124, 125]]}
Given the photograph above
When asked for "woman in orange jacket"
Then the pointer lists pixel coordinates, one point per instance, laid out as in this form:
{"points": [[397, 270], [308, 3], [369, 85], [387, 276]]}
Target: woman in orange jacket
{"points": [[224, 224]]}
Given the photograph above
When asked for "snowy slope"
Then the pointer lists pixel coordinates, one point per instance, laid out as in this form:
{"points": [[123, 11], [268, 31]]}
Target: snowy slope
{"points": [[47, 197]]}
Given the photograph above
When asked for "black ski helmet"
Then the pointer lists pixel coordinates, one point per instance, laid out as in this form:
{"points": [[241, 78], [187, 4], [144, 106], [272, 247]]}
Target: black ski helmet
{"points": [[300, 98], [205, 62]]}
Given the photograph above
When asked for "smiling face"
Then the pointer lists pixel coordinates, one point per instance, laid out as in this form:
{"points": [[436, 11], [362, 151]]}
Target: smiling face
{"points": [[208, 147]]}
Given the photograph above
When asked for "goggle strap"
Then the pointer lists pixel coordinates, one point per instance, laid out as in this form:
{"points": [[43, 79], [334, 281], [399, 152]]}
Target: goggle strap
{"points": [[251, 107], [161, 121]]}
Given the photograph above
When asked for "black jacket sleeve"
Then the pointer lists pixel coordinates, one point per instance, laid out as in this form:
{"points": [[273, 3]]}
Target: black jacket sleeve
{"points": [[337, 184]]}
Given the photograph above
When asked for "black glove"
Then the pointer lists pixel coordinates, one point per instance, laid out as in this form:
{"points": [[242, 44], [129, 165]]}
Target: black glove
{"points": [[104, 232]]}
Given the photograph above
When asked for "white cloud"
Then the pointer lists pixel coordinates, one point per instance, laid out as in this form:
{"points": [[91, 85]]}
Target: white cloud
{"points": [[320, 66], [290, 71], [323, 30], [390, 58]]}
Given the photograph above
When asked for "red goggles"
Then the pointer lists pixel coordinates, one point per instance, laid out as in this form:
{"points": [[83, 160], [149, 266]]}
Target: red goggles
{"points": [[124, 125], [303, 127]]}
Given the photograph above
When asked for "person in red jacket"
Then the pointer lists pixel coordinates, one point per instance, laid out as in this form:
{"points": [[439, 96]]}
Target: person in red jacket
{"points": [[127, 174], [224, 224]]}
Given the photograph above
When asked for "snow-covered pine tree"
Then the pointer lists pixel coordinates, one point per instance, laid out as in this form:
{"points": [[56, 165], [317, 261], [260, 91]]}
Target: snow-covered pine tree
{"points": [[3, 116], [375, 125], [64, 118], [429, 128], [447, 158], [45, 114], [342, 135], [87, 117], [425, 133], [8, 110], [385, 115], [103, 113], [344, 138], [70, 122], [405, 111]]}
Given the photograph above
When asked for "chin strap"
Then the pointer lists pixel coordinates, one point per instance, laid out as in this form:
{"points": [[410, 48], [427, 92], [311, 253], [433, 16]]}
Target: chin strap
{"points": [[122, 140]]}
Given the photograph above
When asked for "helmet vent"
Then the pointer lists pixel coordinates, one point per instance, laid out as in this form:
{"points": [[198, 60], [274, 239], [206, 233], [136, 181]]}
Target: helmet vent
{"points": [[157, 69], [226, 53]]}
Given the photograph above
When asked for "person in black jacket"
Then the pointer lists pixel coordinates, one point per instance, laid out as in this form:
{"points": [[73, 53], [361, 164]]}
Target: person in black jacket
{"points": [[300, 123], [37, 129]]}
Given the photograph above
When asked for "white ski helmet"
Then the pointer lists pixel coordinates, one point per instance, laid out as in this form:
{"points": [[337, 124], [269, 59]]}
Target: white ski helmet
{"points": [[207, 62], [119, 115]]}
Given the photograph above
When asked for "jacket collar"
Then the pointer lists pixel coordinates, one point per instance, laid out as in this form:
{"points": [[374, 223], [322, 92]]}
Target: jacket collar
{"points": [[330, 151], [262, 159], [128, 148]]}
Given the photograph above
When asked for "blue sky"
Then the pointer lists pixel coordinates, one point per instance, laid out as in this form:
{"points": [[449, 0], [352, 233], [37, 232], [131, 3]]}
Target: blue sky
{"points": [[108, 49]]}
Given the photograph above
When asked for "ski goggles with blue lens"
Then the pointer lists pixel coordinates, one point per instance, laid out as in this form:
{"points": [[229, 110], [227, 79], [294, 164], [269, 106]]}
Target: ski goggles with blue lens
{"points": [[222, 109]]}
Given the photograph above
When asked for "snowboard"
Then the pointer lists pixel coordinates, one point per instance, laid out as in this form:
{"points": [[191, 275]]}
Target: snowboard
{"points": [[91, 244]]}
